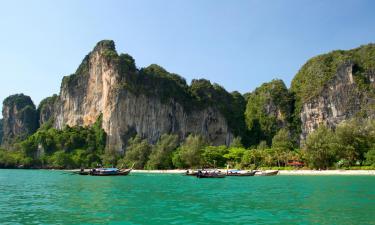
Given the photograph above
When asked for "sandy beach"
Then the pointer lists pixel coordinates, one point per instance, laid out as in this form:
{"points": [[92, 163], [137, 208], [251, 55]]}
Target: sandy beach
{"points": [[327, 172], [281, 172]]}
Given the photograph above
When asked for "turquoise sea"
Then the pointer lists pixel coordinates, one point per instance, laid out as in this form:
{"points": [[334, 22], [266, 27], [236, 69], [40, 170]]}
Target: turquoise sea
{"points": [[57, 197]]}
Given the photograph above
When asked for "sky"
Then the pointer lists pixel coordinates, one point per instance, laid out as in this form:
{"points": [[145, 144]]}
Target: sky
{"points": [[237, 44]]}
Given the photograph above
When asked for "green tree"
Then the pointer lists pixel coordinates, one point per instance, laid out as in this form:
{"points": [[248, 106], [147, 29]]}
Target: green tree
{"points": [[234, 155], [370, 157], [110, 157], [177, 160], [252, 158], [320, 148], [83, 144], [137, 153], [355, 138], [282, 145], [270, 157], [213, 156], [191, 150], [262, 145], [161, 154], [61, 159], [237, 143]]}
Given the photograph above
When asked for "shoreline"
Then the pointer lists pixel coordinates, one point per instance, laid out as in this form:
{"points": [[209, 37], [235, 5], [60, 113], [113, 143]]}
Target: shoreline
{"points": [[281, 172]]}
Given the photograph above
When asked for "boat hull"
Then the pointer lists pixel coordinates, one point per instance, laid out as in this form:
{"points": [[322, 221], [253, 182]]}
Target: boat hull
{"points": [[210, 175], [273, 173], [250, 174], [120, 173]]}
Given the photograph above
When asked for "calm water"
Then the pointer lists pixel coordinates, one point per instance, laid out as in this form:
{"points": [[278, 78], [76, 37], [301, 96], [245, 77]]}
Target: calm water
{"points": [[55, 197]]}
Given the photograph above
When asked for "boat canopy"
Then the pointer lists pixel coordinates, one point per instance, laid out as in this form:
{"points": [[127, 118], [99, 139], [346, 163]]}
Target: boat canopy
{"points": [[108, 169]]}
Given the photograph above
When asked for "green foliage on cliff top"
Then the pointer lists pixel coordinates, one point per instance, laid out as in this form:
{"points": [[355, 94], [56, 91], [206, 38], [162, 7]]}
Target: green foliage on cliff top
{"points": [[105, 44], [49, 101], [155, 81], [106, 48], [26, 113], [312, 77], [262, 123], [19, 100]]}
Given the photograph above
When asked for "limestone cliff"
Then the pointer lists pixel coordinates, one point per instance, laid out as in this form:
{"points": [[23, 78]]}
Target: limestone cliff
{"points": [[132, 101], [340, 99], [151, 101], [19, 118], [334, 87]]}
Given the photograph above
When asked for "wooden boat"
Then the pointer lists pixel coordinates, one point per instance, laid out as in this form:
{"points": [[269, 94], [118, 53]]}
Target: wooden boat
{"points": [[238, 173], [105, 172], [210, 174], [264, 173], [109, 172]]}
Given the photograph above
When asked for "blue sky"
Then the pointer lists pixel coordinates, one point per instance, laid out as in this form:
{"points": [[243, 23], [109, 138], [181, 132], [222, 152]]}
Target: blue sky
{"points": [[238, 44]]}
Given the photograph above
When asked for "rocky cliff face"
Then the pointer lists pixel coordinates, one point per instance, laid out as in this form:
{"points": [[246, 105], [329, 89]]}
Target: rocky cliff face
{"points": [[46, 109], [151, 118], [334, 87], [99, 87], [340, 99], [328, 89], [19, 118]]}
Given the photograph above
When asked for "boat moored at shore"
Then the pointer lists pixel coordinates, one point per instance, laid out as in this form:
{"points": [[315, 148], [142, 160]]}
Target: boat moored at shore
{"points": [[266, 173], [210, 174], [105, 172], [240, 173]]}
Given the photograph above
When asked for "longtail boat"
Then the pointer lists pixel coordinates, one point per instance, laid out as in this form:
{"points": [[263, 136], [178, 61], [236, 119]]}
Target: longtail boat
{"points": [[239, 173], [105, 172], [109, 172], [209, 174], [265, 173]]}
